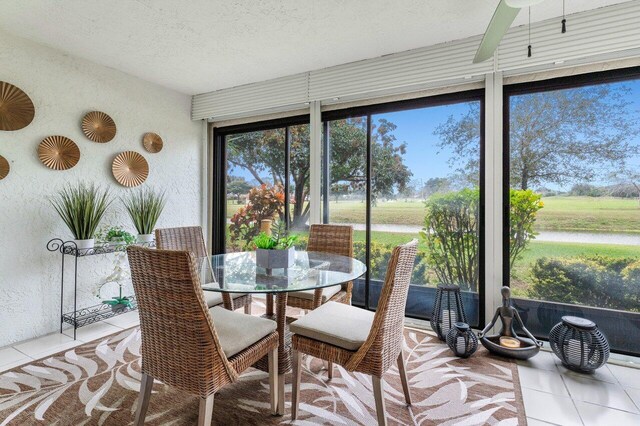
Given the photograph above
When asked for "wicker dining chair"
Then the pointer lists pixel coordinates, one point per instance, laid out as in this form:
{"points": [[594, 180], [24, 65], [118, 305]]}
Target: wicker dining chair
{"points": [[334, 239], [190, 238], [360, 340], [186, 344]]}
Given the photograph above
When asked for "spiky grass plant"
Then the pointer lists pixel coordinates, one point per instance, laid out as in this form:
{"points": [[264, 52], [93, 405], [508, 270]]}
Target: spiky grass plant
{"points": [[82, 207], [144, 208]]}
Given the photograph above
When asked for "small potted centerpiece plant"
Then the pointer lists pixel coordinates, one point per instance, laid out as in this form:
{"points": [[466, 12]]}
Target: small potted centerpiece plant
{"points": [[144, 208], [275, 250], [82, 207], [114, 235]]}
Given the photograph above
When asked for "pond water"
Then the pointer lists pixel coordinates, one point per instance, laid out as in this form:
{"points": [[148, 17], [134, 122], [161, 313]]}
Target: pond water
{"points": [[589, 238], [554, 236]]}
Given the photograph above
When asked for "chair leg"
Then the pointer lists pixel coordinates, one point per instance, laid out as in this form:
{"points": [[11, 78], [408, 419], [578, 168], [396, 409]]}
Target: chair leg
{"points": [[295, 394], [206, 411], [146, 384], [330, 370], [280, 394], [403, 378], [378, 393], [273, 379], [247, 308]]}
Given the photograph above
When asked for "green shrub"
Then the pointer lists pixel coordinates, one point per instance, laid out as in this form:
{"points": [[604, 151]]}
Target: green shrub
{"points": [[451, 234], [524, 205], [379, 258], [601, 281], [380, 255]]}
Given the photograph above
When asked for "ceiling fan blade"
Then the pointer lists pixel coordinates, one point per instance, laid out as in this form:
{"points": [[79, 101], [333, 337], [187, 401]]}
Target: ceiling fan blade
{"points": [[522, 3], [502, 19]]}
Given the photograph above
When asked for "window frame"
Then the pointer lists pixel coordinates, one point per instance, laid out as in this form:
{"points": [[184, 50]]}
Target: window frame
{"points": [[219, 164], [540, 86], [219, 186], [475, 95]]}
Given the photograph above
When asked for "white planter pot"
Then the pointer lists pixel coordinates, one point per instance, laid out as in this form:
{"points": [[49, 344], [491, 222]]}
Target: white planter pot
{"points": [[274, 259], [145, 238], [85, 244]]}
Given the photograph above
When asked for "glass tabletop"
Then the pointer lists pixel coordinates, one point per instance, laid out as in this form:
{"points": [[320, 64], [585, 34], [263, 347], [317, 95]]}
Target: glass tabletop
{"points": [[238, 273]]}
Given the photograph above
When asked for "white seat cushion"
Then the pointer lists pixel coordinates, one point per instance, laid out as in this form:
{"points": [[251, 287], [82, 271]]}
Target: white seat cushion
{"points": [[327, 293], [237, 331], [214, 298], [335, 323]]}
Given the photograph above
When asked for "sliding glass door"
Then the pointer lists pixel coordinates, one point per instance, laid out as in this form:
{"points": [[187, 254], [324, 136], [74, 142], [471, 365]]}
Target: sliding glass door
{"points": [[344, 181], [572, 232], [410, 170], [265, 171]]}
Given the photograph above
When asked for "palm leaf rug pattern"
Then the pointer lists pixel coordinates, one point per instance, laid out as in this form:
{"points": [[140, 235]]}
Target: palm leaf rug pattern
{"points": [[97, 383]]}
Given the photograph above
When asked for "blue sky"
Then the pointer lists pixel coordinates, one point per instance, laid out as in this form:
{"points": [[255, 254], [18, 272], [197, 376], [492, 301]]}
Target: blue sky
{"points": [[415, 127], [424, 157]]}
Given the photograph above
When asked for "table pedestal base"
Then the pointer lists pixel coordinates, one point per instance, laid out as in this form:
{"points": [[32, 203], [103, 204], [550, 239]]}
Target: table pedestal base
{"points": [[284, 343]]}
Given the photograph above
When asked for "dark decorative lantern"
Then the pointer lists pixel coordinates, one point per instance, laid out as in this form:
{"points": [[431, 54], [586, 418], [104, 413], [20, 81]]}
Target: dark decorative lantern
{"points": [[579, 344], [461, 340], [447, 310]]}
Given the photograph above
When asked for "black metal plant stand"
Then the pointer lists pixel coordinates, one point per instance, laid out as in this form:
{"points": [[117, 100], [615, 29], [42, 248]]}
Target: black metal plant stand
{"points": [[91, 314]]}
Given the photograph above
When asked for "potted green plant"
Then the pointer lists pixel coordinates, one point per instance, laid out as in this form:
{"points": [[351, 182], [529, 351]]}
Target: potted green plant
{"points": [[144, 208], [114, 235], [82, 207], [275, 250]]}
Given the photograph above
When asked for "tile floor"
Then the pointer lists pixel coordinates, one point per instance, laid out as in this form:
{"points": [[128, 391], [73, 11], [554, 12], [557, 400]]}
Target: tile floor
{"points": [[23, 352], [552, 394]]}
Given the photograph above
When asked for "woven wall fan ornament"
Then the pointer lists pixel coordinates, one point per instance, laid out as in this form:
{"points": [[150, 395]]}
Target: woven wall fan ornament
{"points": [[130, 169], [16, 109], [98, 127], [152, 142], [4, 167], [58, 152]]}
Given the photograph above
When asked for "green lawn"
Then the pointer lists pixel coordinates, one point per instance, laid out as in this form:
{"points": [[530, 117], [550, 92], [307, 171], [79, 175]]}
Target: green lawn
{"points": [[604, 214], [560, 213], [391, 238]]}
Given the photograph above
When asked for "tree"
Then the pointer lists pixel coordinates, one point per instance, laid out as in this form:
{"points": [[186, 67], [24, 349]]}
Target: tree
{"points": [[237, 185], [555, 136], [436, 185], [263, 155], [260, 153], [627, 178], [338, 189]]}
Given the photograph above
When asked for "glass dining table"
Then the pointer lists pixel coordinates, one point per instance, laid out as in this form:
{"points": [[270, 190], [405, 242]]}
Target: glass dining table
{"points": [[312, 271]]}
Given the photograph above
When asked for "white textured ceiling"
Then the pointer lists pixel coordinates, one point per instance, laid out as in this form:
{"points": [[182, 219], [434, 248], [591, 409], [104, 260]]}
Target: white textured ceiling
{"points": [[196, 46]]}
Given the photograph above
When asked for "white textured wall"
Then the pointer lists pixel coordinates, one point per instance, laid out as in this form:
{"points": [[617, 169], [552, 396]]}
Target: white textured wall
{"points": [[63, 89]]}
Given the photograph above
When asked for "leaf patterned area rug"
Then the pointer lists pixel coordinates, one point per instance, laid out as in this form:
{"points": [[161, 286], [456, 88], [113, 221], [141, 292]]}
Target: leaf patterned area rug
{"points": [[97, 383]]}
